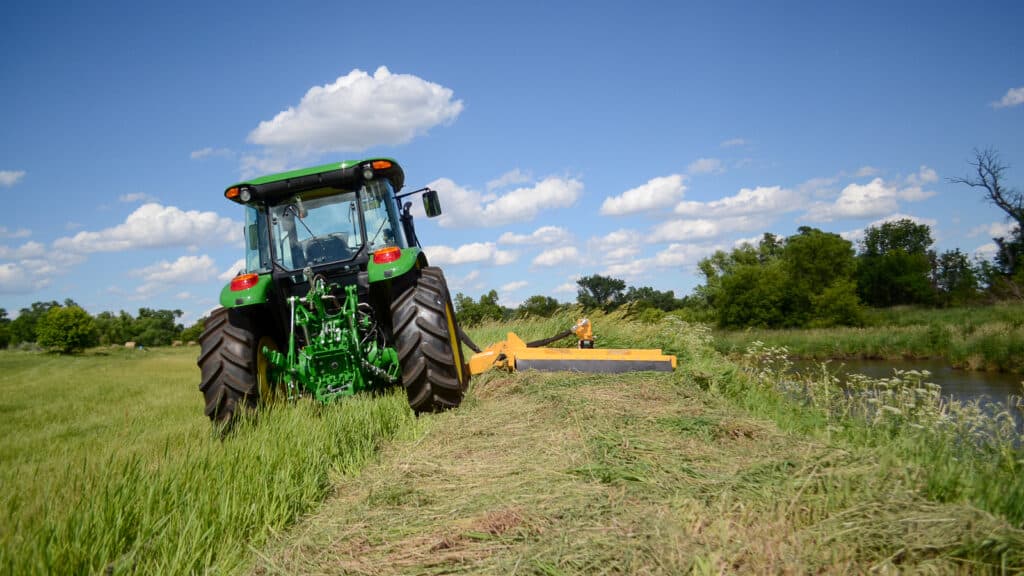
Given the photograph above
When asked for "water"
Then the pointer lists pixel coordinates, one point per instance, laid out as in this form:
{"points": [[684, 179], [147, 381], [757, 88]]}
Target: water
{"points": [[961, 384], [964, 385]]}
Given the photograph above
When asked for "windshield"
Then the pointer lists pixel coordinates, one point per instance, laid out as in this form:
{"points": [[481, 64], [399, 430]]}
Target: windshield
{"points": [[327, 225]]}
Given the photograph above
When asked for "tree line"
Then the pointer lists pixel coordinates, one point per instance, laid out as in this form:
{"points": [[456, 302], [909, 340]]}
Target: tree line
{"points": [[66, 327]]}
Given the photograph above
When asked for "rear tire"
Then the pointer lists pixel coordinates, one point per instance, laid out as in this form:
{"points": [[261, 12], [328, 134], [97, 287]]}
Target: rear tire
{"points": [[434, 375], [234, 370]]}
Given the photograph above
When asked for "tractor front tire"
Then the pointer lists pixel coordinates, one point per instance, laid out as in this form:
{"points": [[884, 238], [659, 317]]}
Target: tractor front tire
{"points": [[232, 364], [426, 332]]}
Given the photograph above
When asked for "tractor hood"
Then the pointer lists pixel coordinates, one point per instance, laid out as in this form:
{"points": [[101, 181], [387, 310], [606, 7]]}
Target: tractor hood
{"points": [[349, 175]]}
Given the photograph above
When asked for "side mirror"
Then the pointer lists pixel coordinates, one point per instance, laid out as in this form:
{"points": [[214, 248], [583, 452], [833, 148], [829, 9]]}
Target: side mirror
{"points": [[431, 205]]}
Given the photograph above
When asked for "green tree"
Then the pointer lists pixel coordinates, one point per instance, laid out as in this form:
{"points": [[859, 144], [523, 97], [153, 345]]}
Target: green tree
{"points": [[538, 305], [955, 278], [837, 305], [193, 332], [602, 292], [5, 328], [156, 327], [753, 295], [895, 264], [471, 313], [66, 329], [23, 328], [647, 297], [813, 261], [805, 278]]}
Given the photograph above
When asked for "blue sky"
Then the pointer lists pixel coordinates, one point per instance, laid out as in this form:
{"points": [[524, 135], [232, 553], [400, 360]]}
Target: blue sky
{"points": [[566, 139]]}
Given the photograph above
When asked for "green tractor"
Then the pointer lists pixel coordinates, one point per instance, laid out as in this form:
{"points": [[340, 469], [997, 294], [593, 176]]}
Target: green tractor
{"points": [[336, 297]]}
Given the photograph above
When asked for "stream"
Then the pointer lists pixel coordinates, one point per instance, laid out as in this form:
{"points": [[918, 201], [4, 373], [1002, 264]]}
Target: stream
{"points": [[964, 385]]}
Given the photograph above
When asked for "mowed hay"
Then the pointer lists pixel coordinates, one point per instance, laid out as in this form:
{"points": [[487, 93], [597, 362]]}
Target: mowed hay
{"points": [[623, 474]]}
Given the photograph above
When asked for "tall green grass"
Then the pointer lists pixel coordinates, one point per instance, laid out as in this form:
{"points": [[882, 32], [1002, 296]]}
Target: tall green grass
{"points": [[110, 465], [960, 451], [985, 338]]}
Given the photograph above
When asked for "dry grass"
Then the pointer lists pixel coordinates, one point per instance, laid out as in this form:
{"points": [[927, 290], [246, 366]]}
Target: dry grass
{"points": [[635, 474]]}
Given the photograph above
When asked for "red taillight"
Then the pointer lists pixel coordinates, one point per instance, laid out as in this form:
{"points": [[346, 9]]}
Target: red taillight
{"points": [[244, 282], [385, 255]]}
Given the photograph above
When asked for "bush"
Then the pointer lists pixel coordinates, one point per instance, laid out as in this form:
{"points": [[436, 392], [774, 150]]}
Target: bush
{"points": [[66, 329]]}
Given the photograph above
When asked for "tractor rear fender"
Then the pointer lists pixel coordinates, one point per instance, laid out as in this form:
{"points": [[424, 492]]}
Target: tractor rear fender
{"points": [[246, 290], [408, 259]]}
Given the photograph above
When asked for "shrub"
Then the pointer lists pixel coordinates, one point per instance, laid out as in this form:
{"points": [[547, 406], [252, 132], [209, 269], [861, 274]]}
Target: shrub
{"points": [[66, 329]]}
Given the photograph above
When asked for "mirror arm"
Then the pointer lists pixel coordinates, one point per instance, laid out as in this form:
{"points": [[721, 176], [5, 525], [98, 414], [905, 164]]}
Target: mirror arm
{"points": [[404, 194]]}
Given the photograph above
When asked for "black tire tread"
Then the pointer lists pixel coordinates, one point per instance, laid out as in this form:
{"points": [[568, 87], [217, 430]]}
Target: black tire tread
{"points": [[227, 361], [420, 325]]}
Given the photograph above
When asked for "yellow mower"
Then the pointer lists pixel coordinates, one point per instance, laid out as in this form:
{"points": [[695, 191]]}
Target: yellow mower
{"points": [[514, 354]]}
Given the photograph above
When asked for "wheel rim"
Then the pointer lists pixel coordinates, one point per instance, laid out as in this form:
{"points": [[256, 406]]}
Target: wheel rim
{"points": [[453, 336]]}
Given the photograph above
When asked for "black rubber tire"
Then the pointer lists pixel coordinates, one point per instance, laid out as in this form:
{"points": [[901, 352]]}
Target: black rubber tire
{"points": [[229, 357], [434, 373]]}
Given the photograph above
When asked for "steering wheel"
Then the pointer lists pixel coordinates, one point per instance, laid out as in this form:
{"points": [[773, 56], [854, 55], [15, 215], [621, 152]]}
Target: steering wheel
{"points": [[316, 250]]}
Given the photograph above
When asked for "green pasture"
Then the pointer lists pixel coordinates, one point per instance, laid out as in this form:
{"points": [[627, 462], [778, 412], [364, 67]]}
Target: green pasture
{"points": [[110, 467]]}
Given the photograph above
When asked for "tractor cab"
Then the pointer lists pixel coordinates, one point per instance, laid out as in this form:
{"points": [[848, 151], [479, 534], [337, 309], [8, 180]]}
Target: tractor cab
{"points": [[323, 228], [340, 221]]}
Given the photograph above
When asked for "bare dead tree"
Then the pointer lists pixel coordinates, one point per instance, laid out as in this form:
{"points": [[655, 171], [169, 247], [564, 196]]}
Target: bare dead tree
{"points": [[989, 171]]}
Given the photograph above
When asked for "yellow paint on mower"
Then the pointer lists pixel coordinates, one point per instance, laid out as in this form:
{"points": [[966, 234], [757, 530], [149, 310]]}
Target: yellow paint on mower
{"points": [[514, 354]]}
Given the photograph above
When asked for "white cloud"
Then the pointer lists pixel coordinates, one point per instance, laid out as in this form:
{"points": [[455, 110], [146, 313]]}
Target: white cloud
{"points": [[16, 278], [509, 178], [761, 200], [9, 178], [629, 270], [544, 235], [925, 175], [232, 270], [1013, 97], [156, 226], [875, 198], [857, 235], [513, 286], [464, 208], [994, 230], [566, 288], [358, 111], [186, 269], [209, 152], [252, 165], [557, 256], [687, 254], [706, 166], [986, 251], [29, 249], [183, 270], [622, 244], [136, 197], [467, 282], [688, 230], [733, 142], [867, 172], [656, 194], [476, 252], [19, 233], [751, 240]]}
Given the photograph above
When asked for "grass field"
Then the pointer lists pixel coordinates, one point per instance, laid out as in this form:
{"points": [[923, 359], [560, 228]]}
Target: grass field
{"points": [[109, 466], [982, 338]]}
